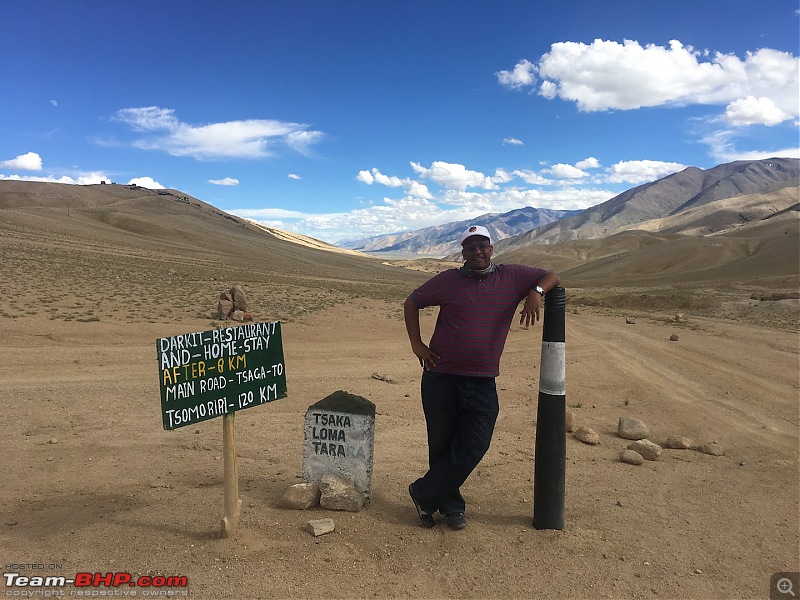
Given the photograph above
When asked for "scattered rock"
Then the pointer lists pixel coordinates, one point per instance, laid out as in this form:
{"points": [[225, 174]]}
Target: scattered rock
{"points": [[587, 435], [632, 429], [631, 457], [224, 306], [239, 298], [630, 320], [674, 337], [383, 377], [233, 305], [712, 448], [569, 421], [778, 296], [319, 527], [576, 311], [301, 496], [337, 493], [52, 441], [647, 449], [678, 442]]}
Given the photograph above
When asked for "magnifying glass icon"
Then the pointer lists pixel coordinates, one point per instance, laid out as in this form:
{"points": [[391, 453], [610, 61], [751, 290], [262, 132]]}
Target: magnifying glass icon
{"points": [[784, 586]]}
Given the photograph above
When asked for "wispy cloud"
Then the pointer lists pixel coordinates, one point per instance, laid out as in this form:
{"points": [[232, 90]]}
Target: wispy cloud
{"points": [[512, 142], [225, 181], [252, 138], [84, 179]]}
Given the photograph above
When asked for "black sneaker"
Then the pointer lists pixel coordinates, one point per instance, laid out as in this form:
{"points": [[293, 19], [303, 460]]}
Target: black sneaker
{"points": [[456, 520], [426, 518]]}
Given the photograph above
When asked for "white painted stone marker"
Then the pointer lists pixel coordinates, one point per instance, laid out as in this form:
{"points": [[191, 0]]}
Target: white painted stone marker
{"points": [[340, 439]]}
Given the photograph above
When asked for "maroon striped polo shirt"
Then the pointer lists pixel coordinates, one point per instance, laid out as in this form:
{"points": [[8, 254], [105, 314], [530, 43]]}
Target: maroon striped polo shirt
{"points": [[474, 316]]}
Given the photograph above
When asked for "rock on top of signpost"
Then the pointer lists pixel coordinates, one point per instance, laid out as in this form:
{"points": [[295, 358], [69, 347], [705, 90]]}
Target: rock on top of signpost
{"points": [[344, 402]]}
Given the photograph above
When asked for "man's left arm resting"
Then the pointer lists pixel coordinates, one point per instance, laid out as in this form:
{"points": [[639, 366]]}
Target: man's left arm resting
{"points": [[530, 310]]}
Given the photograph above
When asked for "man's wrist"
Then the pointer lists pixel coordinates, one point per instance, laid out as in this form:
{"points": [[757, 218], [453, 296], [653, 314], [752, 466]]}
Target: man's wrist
{"points": [[539, 290]]}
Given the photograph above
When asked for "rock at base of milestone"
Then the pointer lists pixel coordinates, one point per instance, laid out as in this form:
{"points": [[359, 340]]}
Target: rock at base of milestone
{"points": [[630, 320], [337, 493], [569, 421], [673, 337], [677, 442], [647, 449], [587, 435], [631, 457], [301, 496], [320, 527], [632, 429], [712, 448]]}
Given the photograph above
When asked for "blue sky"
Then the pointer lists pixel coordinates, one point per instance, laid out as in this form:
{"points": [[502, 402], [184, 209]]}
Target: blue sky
{"points": [[347, 119]]}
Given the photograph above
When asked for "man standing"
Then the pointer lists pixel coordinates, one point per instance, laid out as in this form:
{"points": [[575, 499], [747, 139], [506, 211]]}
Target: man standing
{"points": [[459, 397]]}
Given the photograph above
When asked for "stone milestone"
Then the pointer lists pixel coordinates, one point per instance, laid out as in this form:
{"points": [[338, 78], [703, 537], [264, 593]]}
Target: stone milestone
{"points": [[339, 439]]}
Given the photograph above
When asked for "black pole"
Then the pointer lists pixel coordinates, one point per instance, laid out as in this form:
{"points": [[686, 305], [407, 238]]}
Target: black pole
{"points": [[551, 440]]}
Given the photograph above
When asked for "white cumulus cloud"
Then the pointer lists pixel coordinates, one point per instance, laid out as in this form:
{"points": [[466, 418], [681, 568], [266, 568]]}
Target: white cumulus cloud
{"points": [[30, 161], [608, 75], [454, 176], [523, 74], [512, 142], [562, 171], [252, 138], [294, 176], [146, 182], [754, 111], [411, 187], [641, 171], [588, 163], [225, 181]]}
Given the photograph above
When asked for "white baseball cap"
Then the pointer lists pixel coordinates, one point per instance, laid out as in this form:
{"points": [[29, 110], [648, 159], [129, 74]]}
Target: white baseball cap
{"points": [[476, 230]]}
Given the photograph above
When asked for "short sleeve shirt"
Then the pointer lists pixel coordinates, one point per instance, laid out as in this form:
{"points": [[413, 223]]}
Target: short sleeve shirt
{"points": [[474, 316]]}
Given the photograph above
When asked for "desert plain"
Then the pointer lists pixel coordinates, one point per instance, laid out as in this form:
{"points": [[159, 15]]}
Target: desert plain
{"points": [[93, 483]]}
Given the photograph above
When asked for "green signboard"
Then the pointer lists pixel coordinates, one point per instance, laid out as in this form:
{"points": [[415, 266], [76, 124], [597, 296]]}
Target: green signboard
{"points": [[211, 373]]}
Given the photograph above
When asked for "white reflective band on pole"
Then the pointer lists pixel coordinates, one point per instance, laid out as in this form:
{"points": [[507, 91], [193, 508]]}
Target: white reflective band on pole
{"points": [[552, 378]]}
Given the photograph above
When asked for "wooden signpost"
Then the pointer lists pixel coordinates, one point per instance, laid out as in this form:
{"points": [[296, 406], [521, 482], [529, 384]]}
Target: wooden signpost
{"points": [[215, 373]]}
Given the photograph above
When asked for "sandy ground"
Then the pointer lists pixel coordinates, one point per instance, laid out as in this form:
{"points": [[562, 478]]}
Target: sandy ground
{"points": [[93, 483]]}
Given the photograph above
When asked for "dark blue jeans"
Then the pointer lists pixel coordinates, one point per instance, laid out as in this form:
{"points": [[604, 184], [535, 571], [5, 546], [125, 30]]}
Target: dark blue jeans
{"points": [[460, 413]]}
